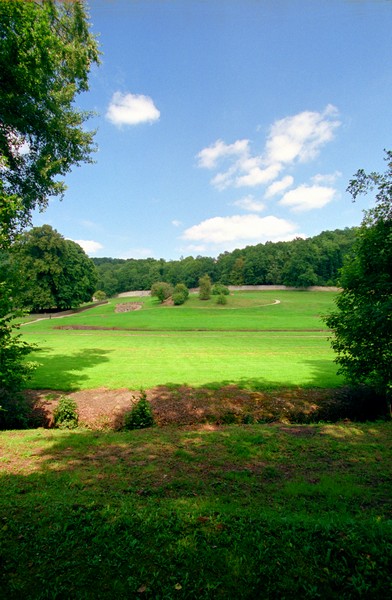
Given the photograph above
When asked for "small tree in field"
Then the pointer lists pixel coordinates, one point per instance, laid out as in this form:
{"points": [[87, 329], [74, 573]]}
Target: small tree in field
{"points": [[205, 287], [218, 289], [162, 290], [100, 295], [180, 294]]}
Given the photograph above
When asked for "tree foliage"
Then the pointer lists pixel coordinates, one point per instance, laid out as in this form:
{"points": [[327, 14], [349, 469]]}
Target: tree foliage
{"points": [[46, 53], [14, 369], [53, 273], [180, 294], [205, 287], [299, 263], [362, 323], [162, 290]]}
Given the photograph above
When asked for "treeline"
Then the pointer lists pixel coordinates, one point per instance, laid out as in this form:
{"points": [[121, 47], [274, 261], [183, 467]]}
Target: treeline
{"points": [[299, 263]]}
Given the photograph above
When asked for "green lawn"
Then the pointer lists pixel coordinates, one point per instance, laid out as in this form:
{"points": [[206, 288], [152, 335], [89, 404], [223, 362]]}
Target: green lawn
{"points": [[240, 512], [250, 342], [244, 311]]}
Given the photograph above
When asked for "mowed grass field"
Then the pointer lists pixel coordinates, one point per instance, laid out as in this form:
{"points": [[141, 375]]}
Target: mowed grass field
{"points": [[258, 340]]}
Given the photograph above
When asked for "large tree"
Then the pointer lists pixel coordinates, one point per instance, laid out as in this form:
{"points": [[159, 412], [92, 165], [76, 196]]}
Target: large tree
{"points": [[46, 54], [362, 323], [53, 273]]}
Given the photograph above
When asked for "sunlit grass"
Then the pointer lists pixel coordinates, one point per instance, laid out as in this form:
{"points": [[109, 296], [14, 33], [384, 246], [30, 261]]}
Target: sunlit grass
{"points": [[244, 311], [159, 345]]}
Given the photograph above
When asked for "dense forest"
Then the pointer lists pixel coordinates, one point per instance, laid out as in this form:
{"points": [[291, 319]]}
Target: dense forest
{"points": [[299, 263]]}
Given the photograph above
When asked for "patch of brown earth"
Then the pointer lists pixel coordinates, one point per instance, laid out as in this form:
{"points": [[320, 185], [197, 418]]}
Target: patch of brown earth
{"points": [[105, 409], [128, 307]]}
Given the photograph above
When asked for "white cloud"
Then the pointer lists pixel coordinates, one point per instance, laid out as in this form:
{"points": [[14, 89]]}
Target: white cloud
{"points": [[249, 203], [328, 179], [209, 157], [131, 109], [258, 176], [89, 246], [297, 138], [301, 136], [304, 197], [279, 186], [176, 223], [240, 228]]}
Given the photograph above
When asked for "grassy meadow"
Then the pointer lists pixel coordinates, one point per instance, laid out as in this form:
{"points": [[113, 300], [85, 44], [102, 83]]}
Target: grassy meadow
{"points": [[258, 340], [202, 511], [235, 512]]}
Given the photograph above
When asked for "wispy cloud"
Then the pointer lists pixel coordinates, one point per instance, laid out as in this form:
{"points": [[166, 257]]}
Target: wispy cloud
{"points": [[249, 203], [279, 186], [305, 197], [209, 157], [328, 178], [297, 138], [131, 109]]}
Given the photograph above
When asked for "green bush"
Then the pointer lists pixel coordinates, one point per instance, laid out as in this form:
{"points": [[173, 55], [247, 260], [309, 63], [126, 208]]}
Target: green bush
{"points": [[221, 299], [66, 414], [219, 289], [100, 295], [140, 416], [180, 294], [161, 290], [205, 287], [178, 299]]}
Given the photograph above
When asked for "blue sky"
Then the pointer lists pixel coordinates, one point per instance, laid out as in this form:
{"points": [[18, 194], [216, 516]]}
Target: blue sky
{"points": [[227, 123]]}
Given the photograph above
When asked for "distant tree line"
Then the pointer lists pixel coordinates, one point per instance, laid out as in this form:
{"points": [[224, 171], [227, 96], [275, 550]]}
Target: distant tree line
{"points": [[299, 263]]}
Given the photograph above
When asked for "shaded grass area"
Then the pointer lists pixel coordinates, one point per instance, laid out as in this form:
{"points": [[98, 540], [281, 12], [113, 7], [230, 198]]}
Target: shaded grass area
{"points": [[249, 512]]}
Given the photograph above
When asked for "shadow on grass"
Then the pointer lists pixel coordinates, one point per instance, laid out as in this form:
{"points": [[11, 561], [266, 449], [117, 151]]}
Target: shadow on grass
{"points": [[195, 514], [259, 399], [70, 369]]}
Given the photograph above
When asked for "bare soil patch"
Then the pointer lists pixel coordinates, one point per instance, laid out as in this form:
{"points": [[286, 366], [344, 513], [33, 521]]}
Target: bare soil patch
{"points": [[128, 307], [105, 409]]}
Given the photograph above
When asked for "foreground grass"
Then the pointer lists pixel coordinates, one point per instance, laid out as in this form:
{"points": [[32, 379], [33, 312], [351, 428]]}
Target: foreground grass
{"points": [[235, 512], [251, 342]]}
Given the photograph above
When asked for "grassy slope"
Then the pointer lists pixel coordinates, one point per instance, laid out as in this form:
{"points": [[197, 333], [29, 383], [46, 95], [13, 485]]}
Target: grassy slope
{"points": [[163, 352], [245, 310], [239, 512]]}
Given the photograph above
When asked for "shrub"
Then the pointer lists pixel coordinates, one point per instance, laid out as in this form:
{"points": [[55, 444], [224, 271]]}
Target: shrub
{"points": [[181, 294], [221, 299], [66, 414], [100, 295], [219, 289], [161, 290], [178, 299], [140, 416], [205, 287]]}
